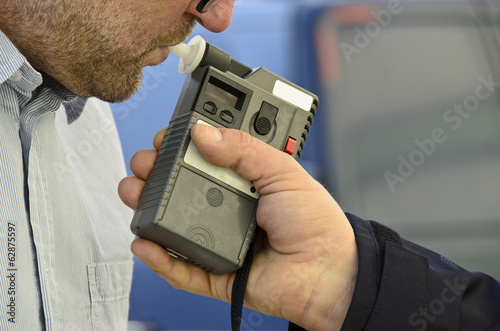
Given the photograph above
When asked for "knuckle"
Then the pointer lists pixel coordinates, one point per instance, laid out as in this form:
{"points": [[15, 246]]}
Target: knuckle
{"points": [[246, 143], [245, 147]]}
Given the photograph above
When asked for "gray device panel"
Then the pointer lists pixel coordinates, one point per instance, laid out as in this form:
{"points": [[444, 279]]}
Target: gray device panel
{"points": [[203, 215]]}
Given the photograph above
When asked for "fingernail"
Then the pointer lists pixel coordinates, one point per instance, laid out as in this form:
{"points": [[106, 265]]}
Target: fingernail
{"points": [[210, 134]]}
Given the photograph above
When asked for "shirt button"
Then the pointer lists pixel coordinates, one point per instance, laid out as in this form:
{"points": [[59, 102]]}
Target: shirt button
{"points": [[17, 76]]}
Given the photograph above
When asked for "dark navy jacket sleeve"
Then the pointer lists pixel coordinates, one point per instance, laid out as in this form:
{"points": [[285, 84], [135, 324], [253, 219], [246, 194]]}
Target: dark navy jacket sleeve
{"points": [[403, 286]]}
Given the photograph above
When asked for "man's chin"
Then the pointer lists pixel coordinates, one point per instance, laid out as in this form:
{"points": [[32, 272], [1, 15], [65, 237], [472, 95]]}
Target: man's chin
{"points": [[116, 91]]}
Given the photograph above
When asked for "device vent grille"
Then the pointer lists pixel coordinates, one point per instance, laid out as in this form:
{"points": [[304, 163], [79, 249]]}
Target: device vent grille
{"points": [[153, 190], [307, 127]]}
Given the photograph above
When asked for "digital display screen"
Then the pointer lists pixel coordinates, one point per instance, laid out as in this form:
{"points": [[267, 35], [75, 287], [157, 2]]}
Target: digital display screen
{"points": [[225, 93]]}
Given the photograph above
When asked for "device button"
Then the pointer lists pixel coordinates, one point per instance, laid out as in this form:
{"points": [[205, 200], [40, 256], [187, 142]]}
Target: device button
{"points": [[290, 145], [210, 107], [265, 118], [227, 116]]}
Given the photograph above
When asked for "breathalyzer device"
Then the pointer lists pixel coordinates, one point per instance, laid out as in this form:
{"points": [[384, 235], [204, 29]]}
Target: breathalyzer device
{"points": [[200, 213]]}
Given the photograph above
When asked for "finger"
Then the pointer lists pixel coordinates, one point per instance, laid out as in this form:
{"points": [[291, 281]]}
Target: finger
{"points": [[269, 169], [158, 139], [129, 190], [180, 274], [142, 163]]}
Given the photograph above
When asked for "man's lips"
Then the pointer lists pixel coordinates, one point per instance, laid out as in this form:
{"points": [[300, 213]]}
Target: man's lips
{"points": [[156, 56], [164, 52]]}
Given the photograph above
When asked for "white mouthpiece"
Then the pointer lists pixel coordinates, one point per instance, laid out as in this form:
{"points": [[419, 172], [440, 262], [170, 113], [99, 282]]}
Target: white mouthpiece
{"points": [[191, 54]]}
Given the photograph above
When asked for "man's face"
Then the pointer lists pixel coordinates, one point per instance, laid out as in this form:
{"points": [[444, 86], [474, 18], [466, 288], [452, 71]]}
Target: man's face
{"points": [[99, 47]]}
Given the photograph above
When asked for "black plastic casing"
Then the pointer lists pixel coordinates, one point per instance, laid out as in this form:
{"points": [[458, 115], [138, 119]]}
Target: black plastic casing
{"points": [[199, 217]]}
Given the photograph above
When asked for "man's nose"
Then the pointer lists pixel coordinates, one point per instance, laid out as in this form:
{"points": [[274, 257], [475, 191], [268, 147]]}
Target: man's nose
{"points": [[215, 20]]}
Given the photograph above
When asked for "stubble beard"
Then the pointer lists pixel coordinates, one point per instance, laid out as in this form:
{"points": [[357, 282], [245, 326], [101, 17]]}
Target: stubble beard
{"points": [[113, 76], [85, 48]]}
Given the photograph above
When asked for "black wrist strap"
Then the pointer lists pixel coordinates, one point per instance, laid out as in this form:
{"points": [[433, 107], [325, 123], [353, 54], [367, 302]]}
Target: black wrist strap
{"points": [[238, 291]]}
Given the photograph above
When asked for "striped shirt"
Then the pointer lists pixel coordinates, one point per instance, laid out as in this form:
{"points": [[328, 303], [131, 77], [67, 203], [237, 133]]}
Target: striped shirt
{"points": [[65, 261]]}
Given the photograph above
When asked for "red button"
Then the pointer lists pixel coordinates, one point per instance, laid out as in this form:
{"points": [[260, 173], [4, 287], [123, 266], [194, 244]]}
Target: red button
{"points": [[290, 146]]}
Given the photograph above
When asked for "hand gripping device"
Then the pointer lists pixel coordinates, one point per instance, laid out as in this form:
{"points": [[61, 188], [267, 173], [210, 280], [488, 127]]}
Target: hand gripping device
{"points": [[198, 212]]}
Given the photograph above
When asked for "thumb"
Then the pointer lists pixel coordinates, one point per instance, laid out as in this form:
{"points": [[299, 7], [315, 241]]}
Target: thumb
{"points": [[248, 156]]}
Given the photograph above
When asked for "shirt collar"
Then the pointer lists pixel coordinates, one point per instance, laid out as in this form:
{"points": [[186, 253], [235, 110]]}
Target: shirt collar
{"points": [[16, 71]]}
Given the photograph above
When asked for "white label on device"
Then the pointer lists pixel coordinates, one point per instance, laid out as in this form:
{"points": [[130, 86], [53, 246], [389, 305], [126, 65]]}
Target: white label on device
{"points": [[293, 95], [226, 175]]}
